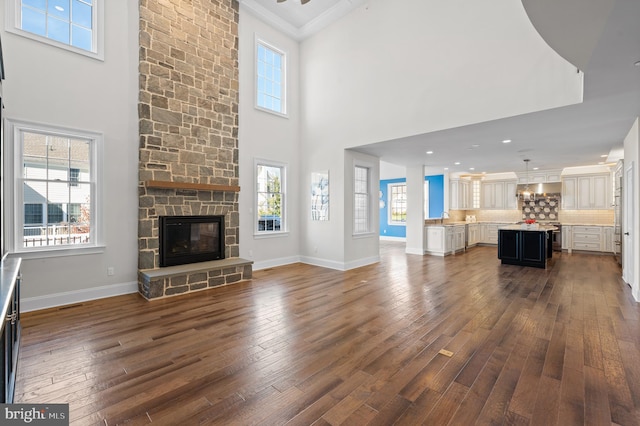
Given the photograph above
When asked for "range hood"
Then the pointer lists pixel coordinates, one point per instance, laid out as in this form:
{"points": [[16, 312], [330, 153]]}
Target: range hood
{"points": [[540, 189]]}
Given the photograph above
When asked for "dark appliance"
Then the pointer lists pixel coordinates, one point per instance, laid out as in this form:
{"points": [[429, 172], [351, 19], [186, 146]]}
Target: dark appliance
{"points": [[190, 239]]}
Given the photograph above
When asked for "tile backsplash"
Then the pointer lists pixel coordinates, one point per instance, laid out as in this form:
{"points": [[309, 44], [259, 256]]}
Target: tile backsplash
{"points": [[590, 217]]}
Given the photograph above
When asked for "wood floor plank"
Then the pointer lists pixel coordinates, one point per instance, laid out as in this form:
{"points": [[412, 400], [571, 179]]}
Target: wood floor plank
{"points": [[305, 345]]}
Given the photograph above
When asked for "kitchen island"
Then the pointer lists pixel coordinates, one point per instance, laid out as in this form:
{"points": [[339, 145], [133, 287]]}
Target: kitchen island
{"points": [[526, 246]]}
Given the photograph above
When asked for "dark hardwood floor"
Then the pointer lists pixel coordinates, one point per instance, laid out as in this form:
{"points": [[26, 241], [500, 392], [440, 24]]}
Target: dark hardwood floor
{"points": [[304, 345]]}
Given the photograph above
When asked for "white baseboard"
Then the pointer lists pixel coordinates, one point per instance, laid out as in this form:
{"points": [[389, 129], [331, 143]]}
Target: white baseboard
{"points": [[386, 238], [272, 263], [70, 297], [412, 250], [340, 266]]}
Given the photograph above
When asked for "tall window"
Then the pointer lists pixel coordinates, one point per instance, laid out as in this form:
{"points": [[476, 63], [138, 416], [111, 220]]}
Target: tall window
{"points": [[270, 78], [71, 24], [56, 187], [398, 203], [361, 222], [475, 194], [270, 197]]}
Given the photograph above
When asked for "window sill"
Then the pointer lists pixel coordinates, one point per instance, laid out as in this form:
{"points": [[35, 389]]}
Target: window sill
{"points": [[260, 235], [47, 252]]}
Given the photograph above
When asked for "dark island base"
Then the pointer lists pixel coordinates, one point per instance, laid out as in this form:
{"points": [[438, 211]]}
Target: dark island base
{"points": [[525, 247]]}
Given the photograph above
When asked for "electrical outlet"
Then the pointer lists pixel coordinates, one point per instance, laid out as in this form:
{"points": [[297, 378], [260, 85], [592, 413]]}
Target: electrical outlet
{"points": [[111, 271]]}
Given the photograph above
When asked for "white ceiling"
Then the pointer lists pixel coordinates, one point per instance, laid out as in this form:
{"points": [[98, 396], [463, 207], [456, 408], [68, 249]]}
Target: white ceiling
{"points": [[601, 37]]}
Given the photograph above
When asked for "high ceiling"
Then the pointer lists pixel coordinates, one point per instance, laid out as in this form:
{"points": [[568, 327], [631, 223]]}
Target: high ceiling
{"points": [[601, 37]]}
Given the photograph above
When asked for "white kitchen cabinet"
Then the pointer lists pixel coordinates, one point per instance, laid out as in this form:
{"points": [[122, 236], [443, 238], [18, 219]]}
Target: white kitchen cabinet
{"points": [[459, 194], [587, 238], [510, 199], [435, 240], [472, 234], [490, 233], [607, 239], [586, 192], [569, 193], [498, 195], [459, 236], [539, 176], [566, 237], [441, 240]]}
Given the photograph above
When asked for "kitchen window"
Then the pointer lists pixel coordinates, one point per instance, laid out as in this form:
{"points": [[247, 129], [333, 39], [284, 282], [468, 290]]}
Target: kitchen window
{"points": [[397, 204], [56, 188], [74, 25], [270, 78]]}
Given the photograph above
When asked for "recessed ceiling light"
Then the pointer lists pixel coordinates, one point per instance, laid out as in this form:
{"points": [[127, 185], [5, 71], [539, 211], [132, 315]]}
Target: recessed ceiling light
{"points": [[536, 168], [604, 155], [506, 141], [637, 64], [429, 152], [601, 162], [457, 163], [59, 8], [472, 168], [446, 168]]}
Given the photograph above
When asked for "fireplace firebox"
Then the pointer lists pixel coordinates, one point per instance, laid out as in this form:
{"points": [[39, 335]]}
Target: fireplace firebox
{"points": [[190, 239]]}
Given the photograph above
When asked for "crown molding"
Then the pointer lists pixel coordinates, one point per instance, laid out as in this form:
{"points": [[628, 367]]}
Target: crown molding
{"points": [[312, 27]]}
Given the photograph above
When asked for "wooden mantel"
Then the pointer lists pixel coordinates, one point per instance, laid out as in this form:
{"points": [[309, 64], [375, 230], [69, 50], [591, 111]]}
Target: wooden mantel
{"points": [[190, 185]]}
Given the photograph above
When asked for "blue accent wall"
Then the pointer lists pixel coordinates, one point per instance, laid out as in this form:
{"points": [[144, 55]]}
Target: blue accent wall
{"points": [[436, 204], [436, 195]]}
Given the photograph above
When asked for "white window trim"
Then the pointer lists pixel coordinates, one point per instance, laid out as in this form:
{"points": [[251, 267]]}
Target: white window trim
{"points": [[12, 25], [284, 222], [389, 204], [14, 195], [285, 60], [370, 227]]}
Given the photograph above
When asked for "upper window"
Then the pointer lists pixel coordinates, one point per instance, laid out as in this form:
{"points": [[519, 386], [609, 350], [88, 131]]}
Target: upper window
{"points": [[361, 200], [270, 78], [270, 197], [475, 194], [55, 188], [71, 24], [397, 203]]}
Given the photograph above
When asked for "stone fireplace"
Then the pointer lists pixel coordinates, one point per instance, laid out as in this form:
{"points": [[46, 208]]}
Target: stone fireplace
{"points": [[188, 127]]}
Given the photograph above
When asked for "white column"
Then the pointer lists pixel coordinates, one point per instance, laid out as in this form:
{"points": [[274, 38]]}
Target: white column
{"points": [[415, 210]]}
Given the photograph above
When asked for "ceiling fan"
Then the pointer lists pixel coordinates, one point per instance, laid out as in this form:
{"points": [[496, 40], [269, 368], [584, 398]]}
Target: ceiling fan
{"points": [[301, 1]]}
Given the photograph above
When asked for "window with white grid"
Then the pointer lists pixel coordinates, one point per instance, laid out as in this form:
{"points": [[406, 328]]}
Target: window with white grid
{"points": [[56, 187], [475, 194], [74, 25], [397, 203], [270, 78], [361, 222]]}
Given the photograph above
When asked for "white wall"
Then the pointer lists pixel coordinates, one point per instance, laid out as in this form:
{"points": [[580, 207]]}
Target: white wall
{"points": [[387, 71], [269, 137], [391, 70], [48, 85], [632, 154]]}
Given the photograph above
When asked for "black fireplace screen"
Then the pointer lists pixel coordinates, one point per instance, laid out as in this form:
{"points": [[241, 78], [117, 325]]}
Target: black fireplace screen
{"points": [[190, 239]]}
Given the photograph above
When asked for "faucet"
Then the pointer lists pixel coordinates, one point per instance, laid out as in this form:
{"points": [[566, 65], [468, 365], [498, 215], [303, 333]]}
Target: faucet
{"points": [[443, 216]]}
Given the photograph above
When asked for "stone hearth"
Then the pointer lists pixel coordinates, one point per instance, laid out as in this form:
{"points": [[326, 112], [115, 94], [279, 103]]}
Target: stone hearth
{"points": [[173, 280]]}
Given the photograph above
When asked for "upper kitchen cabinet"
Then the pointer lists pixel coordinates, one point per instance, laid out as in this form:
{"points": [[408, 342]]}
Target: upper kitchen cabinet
{"points": [[539, 176], [586, 192], [499, 195], [459, 194]]}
